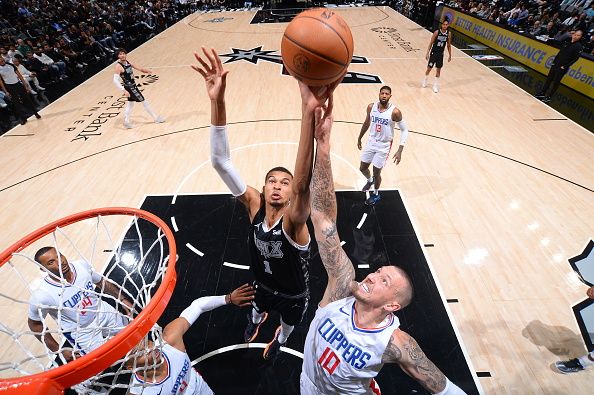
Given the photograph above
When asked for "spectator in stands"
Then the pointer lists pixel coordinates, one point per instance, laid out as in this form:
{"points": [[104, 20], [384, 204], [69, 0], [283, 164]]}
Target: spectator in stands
{"points": [[43, 71], [58, 67], [16, 89], [22, 47], [536, 29], [29, 76]]}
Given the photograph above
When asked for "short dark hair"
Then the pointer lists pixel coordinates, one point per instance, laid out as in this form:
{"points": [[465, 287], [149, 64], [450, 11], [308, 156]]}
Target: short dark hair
{"points": [[404, 295], [386, 87], [40, 252], [446, 19], [278, 168], [120, 50]]}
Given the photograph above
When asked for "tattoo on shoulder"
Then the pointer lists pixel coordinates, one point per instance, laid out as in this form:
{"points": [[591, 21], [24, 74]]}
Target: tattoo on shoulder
{"points": [[392, 352]]}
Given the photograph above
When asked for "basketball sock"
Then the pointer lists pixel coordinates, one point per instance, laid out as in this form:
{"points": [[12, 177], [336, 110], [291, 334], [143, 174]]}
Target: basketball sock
{"points": [[127, 111], [257, 317], [587, 359], [148, 109], [436, 82], [285, 332]]}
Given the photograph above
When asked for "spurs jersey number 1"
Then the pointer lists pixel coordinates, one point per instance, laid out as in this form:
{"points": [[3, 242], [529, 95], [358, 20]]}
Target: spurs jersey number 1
{"points": [[382, 125], [339, 357]]}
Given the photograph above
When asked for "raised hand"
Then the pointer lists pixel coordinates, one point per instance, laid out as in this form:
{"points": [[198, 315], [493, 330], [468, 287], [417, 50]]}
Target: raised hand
{"points": [[242, 296], [214, 75]]}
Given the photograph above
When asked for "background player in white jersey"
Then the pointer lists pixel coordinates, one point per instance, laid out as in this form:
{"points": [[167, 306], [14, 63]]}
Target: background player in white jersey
{"points": [[66, 294], [168, 369], [124, 81], [381, 115], [355, 331], [279, 238], [439, 40]]}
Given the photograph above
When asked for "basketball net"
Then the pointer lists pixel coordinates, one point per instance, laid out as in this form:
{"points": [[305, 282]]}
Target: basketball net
{"points": [[105, 327]]}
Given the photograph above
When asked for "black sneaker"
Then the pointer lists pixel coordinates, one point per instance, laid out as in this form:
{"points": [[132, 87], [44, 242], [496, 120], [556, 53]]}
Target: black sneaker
{"points": [[367, 185], [251, 330], [571, 366], [274, 347], [373, 199]]}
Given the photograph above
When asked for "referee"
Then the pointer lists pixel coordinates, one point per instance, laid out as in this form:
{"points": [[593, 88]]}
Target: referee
{"points": [[15, 87]]}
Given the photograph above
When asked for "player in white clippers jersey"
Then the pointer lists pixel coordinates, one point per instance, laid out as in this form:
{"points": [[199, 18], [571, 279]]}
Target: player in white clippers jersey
{"points": [[381, 116], [168, 371], [67, 294], [354, 331], [440, 39]]}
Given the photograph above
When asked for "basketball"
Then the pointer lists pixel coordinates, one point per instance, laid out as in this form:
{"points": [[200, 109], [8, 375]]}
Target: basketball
{"points": [[317, 47]]}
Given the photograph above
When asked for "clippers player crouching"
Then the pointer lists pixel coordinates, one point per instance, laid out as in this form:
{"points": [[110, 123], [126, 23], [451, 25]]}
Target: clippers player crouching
{"points": [[124, 74], [381, 115], [67, 294], [355, 331], [440, 39], [279, 240]]}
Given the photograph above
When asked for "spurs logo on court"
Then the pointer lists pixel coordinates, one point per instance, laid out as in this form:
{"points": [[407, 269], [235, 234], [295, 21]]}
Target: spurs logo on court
{"points": [[218, 20], [145, 79], [384, 29], [256, 54], [393, 39], [270, 249]]}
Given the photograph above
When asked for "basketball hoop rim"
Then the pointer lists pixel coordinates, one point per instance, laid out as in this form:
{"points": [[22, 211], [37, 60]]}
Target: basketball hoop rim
{"points": [[54, 381]]}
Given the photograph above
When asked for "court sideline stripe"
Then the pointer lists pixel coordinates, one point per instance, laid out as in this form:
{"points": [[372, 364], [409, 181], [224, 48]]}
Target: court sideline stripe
{"points": [[285, 120]]}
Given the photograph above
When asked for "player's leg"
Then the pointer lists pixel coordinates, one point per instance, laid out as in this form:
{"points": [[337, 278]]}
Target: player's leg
{"points": [[291, 312], [156, 118], [438, 66], [127, 111], [378, 162], [427, 72], [366, 157], [258, 314]]}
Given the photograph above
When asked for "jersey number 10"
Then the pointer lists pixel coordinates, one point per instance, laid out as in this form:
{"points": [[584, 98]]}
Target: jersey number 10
{"points": [[329, 360]]}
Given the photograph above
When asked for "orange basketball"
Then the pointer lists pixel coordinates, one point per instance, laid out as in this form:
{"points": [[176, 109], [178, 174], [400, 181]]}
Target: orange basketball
{"points": [[317, 46]]}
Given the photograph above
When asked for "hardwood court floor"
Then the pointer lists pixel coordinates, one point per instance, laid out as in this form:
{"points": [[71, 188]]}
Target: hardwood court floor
{"points": [[502, 191]]}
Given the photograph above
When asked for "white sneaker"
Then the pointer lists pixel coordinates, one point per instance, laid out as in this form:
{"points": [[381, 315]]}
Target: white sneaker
{"points": [[435, 88], [424, 83], [159, 119], [128, 125], [33, 92], [40, 88]]}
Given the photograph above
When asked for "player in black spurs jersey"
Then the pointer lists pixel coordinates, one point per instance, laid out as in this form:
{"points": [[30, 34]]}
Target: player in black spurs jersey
{"points": [[440, 39], [124, 80], [279, 238]]}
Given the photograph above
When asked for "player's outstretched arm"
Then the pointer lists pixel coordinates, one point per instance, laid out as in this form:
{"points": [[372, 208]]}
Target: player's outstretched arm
{"points": [[365, 126], [299, 210], [175, 330], [323, 215], [215, 78], [405, 351]]}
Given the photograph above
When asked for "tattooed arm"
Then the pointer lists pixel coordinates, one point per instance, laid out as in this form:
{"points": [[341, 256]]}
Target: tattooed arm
{"points": [[405, 351], [323, 215]]}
